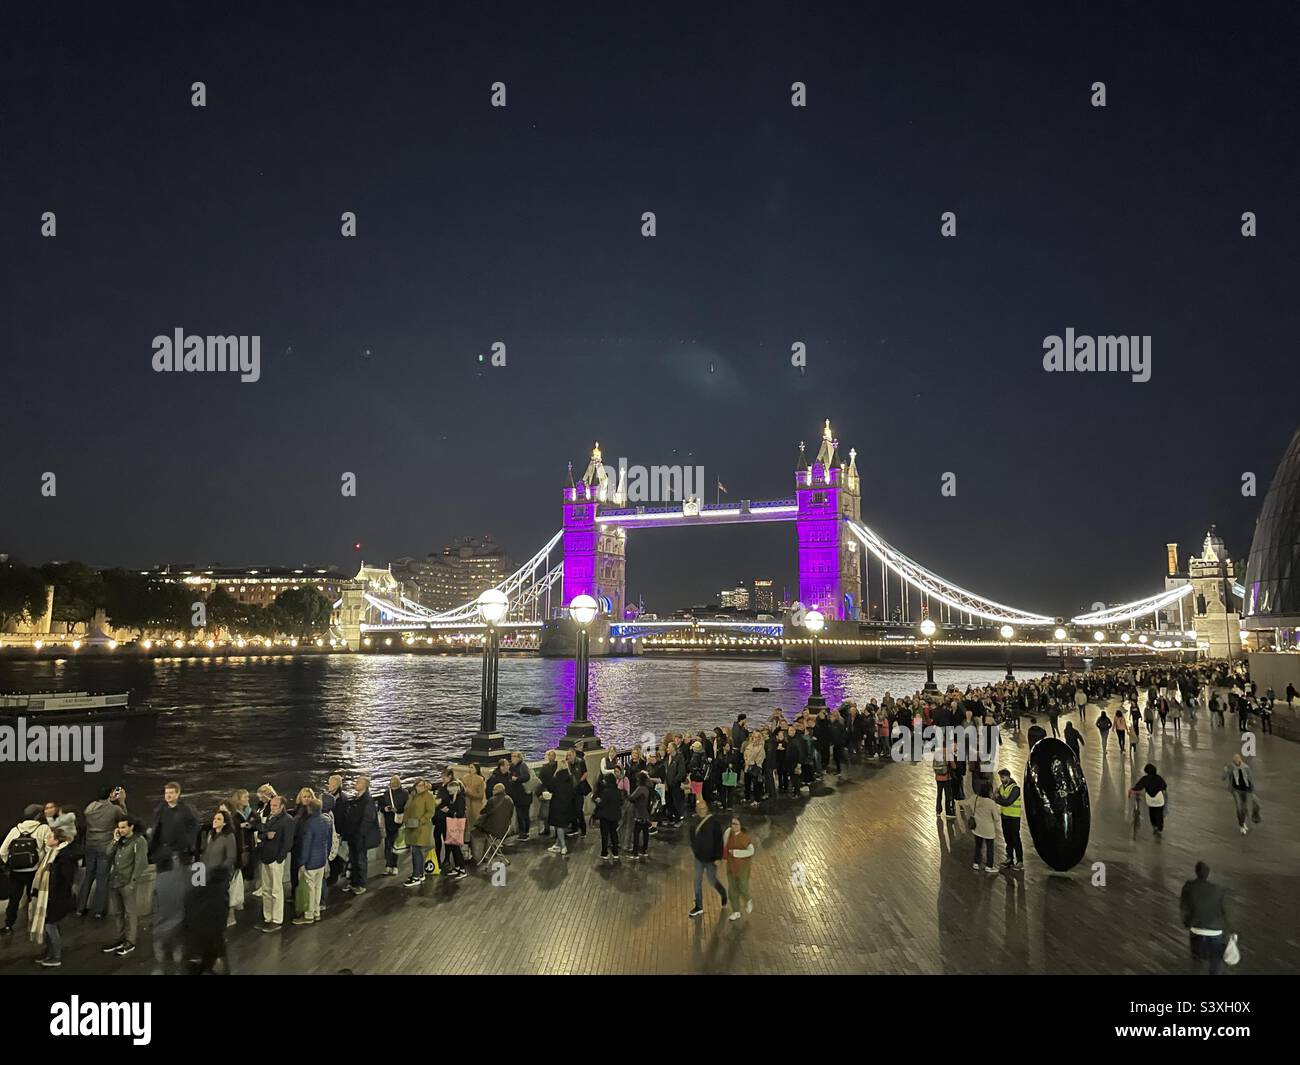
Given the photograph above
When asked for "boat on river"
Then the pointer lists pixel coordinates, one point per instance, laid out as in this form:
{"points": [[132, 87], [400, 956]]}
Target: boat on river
{"points": [[46, 706]]}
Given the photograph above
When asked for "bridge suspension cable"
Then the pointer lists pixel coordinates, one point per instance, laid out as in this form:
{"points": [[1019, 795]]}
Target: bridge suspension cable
{"points": [[524, 588], [937, 587], [1136, 609]]}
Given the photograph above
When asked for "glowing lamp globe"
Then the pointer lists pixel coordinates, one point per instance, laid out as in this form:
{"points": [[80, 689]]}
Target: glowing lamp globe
{"points": [[1099, 636], [1007, 632], [928, 628], [813, 621], [492, 605], [1125, 637], [583, 610], [1142, 638], [1059, 634]]}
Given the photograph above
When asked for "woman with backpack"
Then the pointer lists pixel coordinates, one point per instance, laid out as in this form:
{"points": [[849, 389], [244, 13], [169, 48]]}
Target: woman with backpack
{"points": [[22, 852]]}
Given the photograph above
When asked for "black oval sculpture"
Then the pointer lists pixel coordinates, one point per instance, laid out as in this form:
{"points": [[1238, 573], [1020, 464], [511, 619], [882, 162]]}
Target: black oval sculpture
{"points": [[1056, 804]]}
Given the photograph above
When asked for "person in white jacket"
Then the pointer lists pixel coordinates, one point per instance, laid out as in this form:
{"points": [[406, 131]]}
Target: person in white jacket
{"points": [[737, 851], [984, 824], [26, 859]]}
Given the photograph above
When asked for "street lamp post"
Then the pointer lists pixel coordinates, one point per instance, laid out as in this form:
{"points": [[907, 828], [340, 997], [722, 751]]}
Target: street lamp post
{"points": [[581, 733], [487, 744], [1099, 638], [1060, 635], [814, 622], [928, 629], [1008, 634]]}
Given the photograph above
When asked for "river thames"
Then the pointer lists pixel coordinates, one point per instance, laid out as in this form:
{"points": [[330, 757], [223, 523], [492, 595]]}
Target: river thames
{"points": [[239, 722]]}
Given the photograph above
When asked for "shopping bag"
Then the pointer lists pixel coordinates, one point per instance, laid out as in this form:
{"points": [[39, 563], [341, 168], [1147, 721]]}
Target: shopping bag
{"points": [[399, 840], [1232, 953], [455, 833], [301, 897]]}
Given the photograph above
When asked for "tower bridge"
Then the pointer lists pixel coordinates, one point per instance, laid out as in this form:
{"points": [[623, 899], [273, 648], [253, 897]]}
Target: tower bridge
{"points": [[588, 556]]}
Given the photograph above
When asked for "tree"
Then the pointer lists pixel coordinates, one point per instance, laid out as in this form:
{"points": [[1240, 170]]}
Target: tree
{"points": [[22, 594], [78, 592], [301, 612]]}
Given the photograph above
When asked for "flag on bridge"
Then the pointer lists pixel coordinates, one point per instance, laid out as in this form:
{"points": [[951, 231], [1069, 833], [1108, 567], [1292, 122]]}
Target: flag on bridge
{"points": [[722, 487]]}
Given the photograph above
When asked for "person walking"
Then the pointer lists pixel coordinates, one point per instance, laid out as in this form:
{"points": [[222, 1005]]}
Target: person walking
{"points": [[52, 897], [1104, 726], [1008, 798], [1152, 788], [1203, 907], [1176, 716], [102, 816], [737, 852], [706, 850], [1241, 783], [1121, 728], [1074, 739], [984, 823]]}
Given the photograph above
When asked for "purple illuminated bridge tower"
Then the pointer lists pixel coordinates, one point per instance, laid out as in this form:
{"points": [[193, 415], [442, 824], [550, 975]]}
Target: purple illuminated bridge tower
{"points": [[830, 562], [598, 515]]}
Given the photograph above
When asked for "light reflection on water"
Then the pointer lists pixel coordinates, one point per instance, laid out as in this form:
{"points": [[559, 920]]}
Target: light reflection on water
{"points": [[241, 722]]}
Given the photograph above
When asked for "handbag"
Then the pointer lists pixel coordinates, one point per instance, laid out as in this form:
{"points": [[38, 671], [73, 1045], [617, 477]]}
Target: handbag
{"points": [[455, 833], [1232, 953], [397, 817], [546, 796], [971, 820]]}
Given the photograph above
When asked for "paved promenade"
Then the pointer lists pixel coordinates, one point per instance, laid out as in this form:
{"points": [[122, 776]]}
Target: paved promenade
{"points": [[859, 878]]}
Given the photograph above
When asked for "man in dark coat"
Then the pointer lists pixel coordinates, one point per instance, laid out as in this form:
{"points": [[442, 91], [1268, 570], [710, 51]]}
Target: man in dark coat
{"points": [[609, 810], [493, 820], [706, 848], [363, 835], [519, 777], [1204, 910], [175, 832], [559, 813]]}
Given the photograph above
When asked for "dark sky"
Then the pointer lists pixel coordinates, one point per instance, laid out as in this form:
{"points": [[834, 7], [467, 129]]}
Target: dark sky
{"points": [[775, 224]]}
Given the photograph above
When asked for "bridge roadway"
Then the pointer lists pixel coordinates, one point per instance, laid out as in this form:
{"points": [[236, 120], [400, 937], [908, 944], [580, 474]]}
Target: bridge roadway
{"points": [[886, 889]]}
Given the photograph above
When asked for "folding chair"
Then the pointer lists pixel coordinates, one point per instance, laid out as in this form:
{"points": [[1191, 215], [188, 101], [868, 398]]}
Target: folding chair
{"points": [[496, 848]]}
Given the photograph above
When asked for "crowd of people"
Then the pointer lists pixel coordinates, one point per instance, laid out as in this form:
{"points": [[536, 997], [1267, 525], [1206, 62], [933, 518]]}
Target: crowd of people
{"points": [[296, 851]]}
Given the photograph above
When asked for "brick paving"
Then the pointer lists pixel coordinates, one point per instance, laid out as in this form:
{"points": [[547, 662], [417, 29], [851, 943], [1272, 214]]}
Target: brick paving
{"points": [[884, 888]]}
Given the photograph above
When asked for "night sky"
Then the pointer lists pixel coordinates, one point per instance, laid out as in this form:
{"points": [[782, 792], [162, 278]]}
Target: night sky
{"points": [[522, 224]]}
